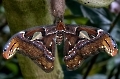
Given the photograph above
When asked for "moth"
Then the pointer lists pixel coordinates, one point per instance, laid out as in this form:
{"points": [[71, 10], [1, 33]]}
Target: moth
{"points": [[80, 42]]}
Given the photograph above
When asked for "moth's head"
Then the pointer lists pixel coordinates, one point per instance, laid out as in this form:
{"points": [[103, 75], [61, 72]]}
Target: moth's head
{"points": [[110, 46], [10, 49]]}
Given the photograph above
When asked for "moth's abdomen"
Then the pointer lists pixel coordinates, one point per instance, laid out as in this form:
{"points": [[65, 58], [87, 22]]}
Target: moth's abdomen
{"points": [[59, 37]]}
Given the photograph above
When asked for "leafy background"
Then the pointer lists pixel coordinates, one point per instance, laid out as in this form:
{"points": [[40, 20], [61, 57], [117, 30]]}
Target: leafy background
{"points": [[101, 66]]}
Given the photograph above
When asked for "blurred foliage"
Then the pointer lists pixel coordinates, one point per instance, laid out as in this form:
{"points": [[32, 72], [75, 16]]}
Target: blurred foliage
{"points": [[104, 66]]}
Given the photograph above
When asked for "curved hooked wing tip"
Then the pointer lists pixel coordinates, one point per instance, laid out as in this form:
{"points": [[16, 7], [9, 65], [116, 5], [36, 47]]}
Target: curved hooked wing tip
{"points": [[11, 46], [8, 56], [110, 46], [108, 43], [10, 49]]}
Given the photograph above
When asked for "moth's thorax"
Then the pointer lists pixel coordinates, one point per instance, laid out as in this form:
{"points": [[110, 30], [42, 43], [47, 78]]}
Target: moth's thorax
{"points": [[60, 26], [60, 29]]}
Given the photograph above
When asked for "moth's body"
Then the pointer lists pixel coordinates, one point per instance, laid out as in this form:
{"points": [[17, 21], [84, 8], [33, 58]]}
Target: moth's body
{"points": [[79, 43]]}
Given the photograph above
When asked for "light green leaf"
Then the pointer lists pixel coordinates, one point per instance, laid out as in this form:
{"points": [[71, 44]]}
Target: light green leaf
{"points": [[95, 3]]}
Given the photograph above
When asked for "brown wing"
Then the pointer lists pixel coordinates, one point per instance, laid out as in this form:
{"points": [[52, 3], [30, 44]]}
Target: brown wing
{"points": [[39, 48], [82, 42]]}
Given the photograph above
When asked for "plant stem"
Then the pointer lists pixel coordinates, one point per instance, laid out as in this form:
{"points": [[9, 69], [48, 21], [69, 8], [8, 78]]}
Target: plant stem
{"points": [[114, 22], [23, 14]]}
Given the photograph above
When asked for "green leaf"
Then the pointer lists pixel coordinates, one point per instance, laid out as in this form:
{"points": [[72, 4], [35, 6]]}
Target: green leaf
{"points": [[95, 3], [12, 67]]}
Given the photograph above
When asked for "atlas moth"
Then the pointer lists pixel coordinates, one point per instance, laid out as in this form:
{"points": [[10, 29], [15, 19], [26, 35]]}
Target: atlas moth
{"points": [[80, 42]]}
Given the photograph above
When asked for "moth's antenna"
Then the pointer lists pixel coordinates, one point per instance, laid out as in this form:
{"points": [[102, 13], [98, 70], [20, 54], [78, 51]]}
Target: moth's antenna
{"points": [[57, 9]]}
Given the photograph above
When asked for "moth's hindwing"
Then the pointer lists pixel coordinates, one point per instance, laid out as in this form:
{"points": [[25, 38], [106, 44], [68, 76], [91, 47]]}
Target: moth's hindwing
{"points": [[72, 58]]}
